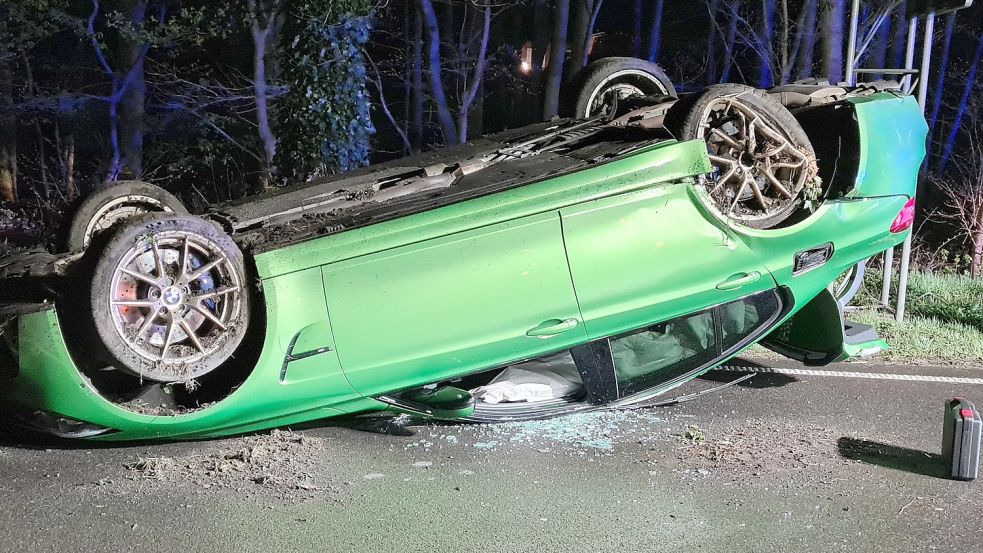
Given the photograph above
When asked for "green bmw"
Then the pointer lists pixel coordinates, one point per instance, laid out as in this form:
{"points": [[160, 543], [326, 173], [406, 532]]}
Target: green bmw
{"points": [[559, 267]]}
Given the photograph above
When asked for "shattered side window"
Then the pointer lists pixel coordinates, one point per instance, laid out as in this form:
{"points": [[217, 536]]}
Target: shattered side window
{"points": [[741, 318], [659, 353]]}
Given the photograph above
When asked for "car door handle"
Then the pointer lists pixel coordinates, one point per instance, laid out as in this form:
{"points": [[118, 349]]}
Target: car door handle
{"points": [[552, 327], [739, 280]]}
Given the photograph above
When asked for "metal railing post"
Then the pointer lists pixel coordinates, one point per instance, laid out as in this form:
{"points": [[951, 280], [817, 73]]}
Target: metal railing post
{"points": [[922, 100], [909, 64]]}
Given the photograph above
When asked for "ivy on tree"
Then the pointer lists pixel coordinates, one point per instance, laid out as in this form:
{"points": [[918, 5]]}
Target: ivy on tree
{"points": [[323, 120]]}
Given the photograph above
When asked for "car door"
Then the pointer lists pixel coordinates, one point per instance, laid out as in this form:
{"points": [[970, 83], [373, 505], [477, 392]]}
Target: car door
{"points": [[653, 255], [452, 305]]}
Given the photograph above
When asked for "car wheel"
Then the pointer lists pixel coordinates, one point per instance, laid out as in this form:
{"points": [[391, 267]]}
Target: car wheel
{"points": [[610, 80], [846, 286], [764, 164], [117, 202], [169, 298]]}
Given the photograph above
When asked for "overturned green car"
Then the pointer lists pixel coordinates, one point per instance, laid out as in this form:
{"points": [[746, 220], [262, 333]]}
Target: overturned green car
{"points": [[554, 268]]}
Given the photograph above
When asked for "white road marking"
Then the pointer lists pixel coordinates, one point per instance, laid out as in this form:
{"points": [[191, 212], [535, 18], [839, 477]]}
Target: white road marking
{"points": [[849, 374]]}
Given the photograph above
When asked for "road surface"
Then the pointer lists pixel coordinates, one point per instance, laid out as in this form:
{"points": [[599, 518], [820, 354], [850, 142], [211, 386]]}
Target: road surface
{"points": [[805, 461]]}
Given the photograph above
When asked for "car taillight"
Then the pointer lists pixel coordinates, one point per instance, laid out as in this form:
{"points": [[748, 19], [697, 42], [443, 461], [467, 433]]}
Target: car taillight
{"points": [[905, 219]]}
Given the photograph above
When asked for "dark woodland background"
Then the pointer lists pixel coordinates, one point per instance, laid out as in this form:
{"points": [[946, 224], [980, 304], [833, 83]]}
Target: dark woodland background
{"points": [[217, 100]]}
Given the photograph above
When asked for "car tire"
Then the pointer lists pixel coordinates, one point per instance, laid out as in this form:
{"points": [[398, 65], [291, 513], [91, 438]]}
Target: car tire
{"points": [[169, 298], [630, 76], [116, 202], [744, 187]]}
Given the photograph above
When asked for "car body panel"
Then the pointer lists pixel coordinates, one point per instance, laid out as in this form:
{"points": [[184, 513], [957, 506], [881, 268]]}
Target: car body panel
{"points": [[437, 308], [819, 335], [666, 162], [650, 255], [331, 301], [885, 118]]}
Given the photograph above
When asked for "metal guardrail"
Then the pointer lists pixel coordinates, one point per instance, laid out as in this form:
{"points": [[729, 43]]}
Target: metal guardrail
{"points": [[915, 9]]}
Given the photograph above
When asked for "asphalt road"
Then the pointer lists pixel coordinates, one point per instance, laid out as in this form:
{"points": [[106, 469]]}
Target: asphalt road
{"points": [[778, 463]]}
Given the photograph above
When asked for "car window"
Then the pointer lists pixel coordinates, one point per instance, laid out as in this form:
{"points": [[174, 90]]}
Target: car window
{"points": [[661, 352], [739, 319], [651, 356]]}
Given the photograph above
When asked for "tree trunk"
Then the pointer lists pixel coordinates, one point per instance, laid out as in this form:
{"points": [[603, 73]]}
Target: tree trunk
{"points": [[578, 35], [765, 77], [31, 91], [807, 42], [444, 117], [8, 129], [833, 15], [558, 50], [636, 31], [899, 36], [730, 40], [479, 74], [71, 191], [416, 125], [713, 7], [262, 28], [540, 44], [131, 103], [655, 33]]}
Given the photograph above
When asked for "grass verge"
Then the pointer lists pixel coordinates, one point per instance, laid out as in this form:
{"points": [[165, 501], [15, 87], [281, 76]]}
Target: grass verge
{"points": [[943, 320]]}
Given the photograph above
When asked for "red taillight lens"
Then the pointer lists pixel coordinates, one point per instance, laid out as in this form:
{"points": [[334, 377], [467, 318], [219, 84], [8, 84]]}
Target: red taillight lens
{"points": [[905, 219]]}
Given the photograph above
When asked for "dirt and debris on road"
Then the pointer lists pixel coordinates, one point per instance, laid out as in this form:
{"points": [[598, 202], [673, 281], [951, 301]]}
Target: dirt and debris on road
{"points": [[778, 449], [280, 465], [774, 464]]}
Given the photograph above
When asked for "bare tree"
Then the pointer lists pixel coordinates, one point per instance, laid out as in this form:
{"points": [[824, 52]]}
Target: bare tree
{"points": [[132, 96], [127, 95], [713, 65], [766, 37], [8, 124], [474, 81], [264, 22], [806, 43], [418, 92], [384, 105], [962, 188], [540, 44], [435, 70], [577, 33], [126, 102], [730, 40]]}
